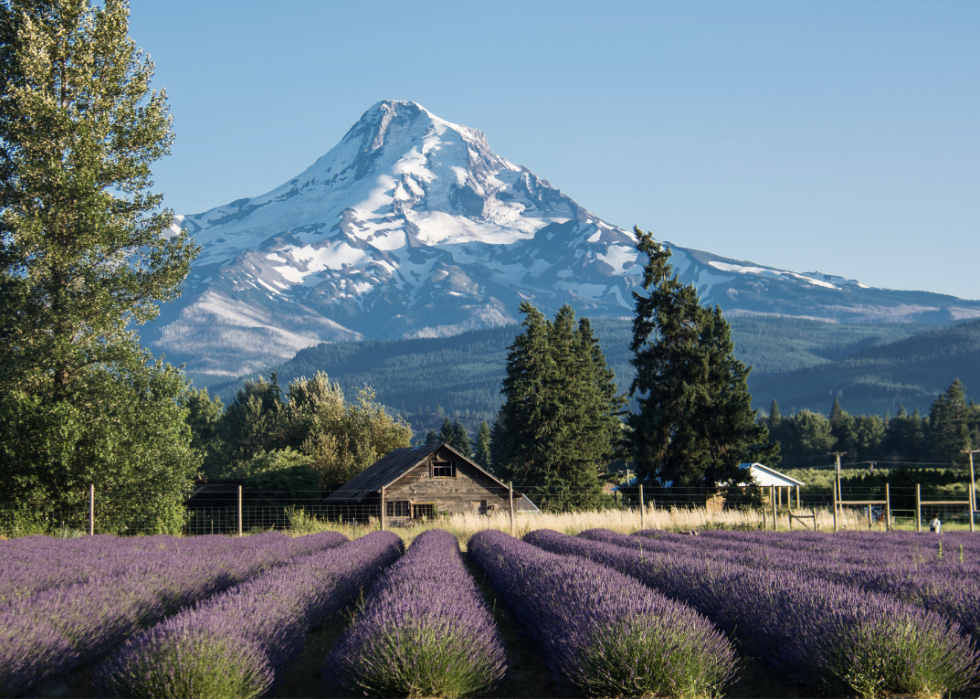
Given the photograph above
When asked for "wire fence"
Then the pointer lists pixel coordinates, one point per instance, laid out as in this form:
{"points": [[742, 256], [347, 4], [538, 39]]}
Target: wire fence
{"points": [[228, 513]]}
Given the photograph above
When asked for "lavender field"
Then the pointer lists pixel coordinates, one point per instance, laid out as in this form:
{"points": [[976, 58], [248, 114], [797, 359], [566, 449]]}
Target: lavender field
{"points": [[600, 614]]}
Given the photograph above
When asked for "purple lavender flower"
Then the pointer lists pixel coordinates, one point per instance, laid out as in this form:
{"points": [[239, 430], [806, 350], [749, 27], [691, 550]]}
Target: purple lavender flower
{"points": [[602, 632], [829, 636], [425, 630], [272, 612], [140, 582]]}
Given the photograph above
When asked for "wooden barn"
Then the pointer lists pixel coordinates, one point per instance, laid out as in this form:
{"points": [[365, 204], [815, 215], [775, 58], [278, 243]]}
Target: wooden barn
{"points": [[422, 482]]}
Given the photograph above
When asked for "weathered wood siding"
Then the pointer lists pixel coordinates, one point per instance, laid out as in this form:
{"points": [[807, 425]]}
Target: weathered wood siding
{"points": [[462, 493]]}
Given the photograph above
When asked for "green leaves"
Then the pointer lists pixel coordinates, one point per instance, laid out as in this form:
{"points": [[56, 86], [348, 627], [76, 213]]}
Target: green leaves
{"points": [[83, 259]]}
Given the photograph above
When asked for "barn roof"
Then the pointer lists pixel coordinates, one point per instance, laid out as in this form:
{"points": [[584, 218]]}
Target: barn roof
{"points": [[390, 468]]}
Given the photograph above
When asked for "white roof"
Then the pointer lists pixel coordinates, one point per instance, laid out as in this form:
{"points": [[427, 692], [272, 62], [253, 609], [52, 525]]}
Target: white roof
{"points": [[765, 476]]}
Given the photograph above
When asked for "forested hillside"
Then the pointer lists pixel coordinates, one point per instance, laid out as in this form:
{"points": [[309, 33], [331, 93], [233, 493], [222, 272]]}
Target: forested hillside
{"points": [[909, 373], [462, 373]]}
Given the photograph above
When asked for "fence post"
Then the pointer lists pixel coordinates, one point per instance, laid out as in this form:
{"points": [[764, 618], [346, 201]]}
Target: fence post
{"points": [[918, 507], [973, 493], [239, 510], [643, 514], [91, 509], [384, 510], [510, 497], [836, 525], [869, 517], [888, 509], [798, 498], [772, 498]]}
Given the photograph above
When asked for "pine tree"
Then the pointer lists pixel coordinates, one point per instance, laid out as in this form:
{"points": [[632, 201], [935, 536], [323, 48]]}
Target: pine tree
{"points": [[558, 426], [775, 417], [432, 437], [461, 440], [949, 425], [844, 430], [83, 257], [446, 434], [695, 422], [482, 456]]}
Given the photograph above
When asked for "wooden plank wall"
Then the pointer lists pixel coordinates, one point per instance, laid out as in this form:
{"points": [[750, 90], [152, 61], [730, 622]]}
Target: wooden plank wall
{"points": [[455, 495]]}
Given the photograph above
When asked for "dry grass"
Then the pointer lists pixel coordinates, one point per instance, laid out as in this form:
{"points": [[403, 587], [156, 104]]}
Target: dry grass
{"points": [[623, 521]]}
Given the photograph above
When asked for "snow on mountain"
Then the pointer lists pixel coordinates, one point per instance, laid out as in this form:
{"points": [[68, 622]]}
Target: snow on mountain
{"points": [[412, 227]]}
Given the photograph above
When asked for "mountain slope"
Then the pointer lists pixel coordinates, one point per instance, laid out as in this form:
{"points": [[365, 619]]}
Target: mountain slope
{"points": [[909, 373], [413, 227], [463, 373]]}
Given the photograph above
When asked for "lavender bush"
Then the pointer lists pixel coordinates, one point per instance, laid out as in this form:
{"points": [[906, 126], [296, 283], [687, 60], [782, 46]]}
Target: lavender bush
{"points": [[832, 637], [58, 629], [425, 630], [602, 632], [900, 566], [241, 640]]}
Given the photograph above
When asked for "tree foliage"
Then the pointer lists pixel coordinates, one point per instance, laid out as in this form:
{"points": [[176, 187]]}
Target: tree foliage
{"points": [[313, 425], [84, 259], [558, 426], [695, 422]]}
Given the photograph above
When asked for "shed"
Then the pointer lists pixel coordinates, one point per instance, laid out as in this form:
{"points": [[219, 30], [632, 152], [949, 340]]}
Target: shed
{"points": [[765, 476], [422, 482]]}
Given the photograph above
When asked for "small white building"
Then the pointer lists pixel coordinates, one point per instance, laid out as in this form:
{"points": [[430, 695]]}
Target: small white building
{"points": [[765, 476]]}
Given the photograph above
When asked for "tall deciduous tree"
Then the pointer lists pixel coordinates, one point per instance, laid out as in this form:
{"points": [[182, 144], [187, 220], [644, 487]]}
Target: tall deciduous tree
{"points": [[558, 426], [695, 422], [84, 251]]}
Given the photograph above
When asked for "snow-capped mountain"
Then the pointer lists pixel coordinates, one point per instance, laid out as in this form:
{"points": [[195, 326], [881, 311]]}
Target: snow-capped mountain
{"points": [[412, 227]]}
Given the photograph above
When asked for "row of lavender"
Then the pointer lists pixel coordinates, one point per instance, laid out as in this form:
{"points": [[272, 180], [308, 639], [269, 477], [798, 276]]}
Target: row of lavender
{"points": [[832, 637], [927, 572], [238, 643], [600, 632], [67, 619]]}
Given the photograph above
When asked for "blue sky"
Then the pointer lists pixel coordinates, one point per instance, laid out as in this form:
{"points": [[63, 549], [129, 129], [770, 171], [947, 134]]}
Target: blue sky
{"points": [[840, 137]]}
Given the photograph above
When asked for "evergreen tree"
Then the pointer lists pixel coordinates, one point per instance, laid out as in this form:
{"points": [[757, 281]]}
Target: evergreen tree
{"points": [[806, 435], [447, 434], [905, 437], [461, 440], [482, 456], [775, 417], [558, 426], [949, 425], [843, 429], [432, 437], [695, 422], [83, 260]]}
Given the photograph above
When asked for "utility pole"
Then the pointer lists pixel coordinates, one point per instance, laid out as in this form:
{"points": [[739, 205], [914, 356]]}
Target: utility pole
{"points": [[837, 492], [973, 488]]}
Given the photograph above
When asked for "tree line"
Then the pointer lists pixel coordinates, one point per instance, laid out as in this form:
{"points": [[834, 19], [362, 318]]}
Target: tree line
{"points": [[939, 438]]}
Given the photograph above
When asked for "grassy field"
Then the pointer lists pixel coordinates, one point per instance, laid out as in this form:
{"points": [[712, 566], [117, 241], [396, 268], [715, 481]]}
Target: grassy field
{"points": [[622, 521]]}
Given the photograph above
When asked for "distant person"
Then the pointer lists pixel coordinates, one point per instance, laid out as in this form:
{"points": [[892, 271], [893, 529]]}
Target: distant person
{"points": [[936, 526]]}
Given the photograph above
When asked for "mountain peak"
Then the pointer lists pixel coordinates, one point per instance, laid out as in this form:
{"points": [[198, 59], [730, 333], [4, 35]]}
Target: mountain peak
{"points": [[411, 226]]}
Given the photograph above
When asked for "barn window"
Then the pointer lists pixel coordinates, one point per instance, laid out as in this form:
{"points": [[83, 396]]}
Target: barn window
{"points": [[443, 469], [427, 511], [399, 508]]}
